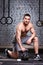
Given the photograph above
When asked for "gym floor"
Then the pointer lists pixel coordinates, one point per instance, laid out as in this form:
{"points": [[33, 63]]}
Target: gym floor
{"points": [[4, 60]]}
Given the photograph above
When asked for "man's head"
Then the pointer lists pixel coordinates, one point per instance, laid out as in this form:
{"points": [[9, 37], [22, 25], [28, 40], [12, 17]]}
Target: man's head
{"points": [[26, 19]]}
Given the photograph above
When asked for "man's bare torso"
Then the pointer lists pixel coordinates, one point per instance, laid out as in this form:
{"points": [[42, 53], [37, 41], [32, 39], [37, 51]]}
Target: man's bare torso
{"points": [[24, 29]]}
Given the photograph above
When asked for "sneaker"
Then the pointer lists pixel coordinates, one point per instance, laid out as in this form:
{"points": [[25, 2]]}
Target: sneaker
{"points": [[6, 52], [37, 58]]}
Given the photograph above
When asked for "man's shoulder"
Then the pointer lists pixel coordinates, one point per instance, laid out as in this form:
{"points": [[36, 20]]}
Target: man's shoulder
{"points": [[19, 25], [31, 24]]}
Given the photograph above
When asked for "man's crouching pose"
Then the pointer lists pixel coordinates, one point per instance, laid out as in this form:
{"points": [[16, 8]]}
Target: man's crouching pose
{"points": [[21, 35]]}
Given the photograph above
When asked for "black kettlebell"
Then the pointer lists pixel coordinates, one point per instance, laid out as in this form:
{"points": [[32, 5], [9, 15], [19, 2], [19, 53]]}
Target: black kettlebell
{"points": [[25, 55]]}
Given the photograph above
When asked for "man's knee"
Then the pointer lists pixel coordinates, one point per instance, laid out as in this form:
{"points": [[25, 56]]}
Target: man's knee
{"points": [[35, 39], [27, 42]]}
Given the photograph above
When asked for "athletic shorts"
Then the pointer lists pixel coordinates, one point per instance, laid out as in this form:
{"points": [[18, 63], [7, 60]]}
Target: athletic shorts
{"points": [[23, 40]]}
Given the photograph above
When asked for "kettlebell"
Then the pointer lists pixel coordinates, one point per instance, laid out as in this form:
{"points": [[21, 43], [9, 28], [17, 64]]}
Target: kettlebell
{"points": [[25, 55]]}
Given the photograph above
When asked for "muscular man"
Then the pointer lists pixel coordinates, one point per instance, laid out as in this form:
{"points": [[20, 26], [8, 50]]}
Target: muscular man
{"points": [[21, 35], [21, 31]]}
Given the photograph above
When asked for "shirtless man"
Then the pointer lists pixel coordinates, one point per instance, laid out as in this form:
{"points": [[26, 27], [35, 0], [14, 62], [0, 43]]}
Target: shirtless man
{"points": [[21, 35], [21, 31]]}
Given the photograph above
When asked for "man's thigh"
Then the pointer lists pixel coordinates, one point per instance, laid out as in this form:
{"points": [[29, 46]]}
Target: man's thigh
{"points": [[24, 39]]}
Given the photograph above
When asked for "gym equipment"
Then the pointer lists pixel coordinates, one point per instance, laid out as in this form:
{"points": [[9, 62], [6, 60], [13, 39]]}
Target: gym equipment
{"points": [[24, 55], [6, 20]]}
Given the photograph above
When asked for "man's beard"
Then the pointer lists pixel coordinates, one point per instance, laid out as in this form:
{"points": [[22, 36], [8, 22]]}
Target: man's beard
{"points": [[25, 23]]}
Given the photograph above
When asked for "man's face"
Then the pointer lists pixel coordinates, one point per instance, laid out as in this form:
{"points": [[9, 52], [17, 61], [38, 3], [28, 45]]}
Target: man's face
{"points": [[26, 20]]}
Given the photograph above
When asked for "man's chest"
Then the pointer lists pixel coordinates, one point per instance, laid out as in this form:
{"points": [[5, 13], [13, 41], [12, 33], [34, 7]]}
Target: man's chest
{"points": [[25, 29]]}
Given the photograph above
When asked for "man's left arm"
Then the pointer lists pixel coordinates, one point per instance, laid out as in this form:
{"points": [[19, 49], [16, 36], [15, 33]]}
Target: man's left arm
{"points": [[32, 30]]}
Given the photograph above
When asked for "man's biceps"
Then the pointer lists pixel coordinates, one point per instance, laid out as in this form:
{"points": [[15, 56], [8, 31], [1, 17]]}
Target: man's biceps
{"points": [[19, 34], [32, 30]]}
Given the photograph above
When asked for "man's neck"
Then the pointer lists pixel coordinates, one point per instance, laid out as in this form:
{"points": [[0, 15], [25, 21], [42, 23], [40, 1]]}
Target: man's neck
{"points": [[25, 24]]}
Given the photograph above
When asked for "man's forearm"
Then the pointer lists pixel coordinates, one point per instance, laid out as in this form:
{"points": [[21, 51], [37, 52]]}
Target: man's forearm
{"points": [[19, 42], [32, 36]]}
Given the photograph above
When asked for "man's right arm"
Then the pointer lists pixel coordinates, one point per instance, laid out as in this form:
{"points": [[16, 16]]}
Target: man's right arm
{"points": [[18, 35], [18, 38]]}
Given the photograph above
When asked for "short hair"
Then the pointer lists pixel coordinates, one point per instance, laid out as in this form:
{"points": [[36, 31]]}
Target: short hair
{"points": [[26, 15]]}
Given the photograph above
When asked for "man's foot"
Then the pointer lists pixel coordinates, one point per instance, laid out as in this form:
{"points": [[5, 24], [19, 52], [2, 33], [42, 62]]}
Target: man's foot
{"points": [[7, 53], [37, 57], [11, 54]]}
